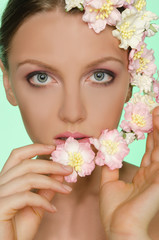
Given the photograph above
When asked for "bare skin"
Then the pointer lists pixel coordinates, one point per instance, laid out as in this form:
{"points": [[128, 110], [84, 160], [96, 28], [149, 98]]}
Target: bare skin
{"points": [[72, 97], [78, 214]]}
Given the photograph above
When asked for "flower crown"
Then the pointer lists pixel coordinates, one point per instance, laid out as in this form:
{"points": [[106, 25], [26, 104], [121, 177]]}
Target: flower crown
{"points": [[133, 25]]}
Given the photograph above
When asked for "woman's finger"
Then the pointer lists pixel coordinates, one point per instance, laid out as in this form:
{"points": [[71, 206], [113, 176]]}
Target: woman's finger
{"points": [[108, 175], [155, 119], [155, 151], [10, 205], [26, 152], [32, 181], [146, 160], [35, 166]]}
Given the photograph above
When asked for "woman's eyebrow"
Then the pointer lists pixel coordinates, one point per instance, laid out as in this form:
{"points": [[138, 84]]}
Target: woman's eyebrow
{"points": [[104, 59], [38, 63]]}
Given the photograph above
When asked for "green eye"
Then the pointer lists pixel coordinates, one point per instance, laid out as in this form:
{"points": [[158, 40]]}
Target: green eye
{"points": [[42, 77], [102, 77], [99, 76]]}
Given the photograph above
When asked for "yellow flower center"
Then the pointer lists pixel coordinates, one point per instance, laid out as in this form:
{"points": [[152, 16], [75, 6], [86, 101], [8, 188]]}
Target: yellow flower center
{"points": [[140, 4], [104, 11], [143, 64], [126, 34], [111, 147], [138, 54], [139, 120], [75, 160], [151, 101]]}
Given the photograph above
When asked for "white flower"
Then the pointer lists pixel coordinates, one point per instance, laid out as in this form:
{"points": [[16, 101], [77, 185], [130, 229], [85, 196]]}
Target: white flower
{"points": [[147, 99], [130, 29], [143, 82], [129, 137], [73, 4], [148, 16]]}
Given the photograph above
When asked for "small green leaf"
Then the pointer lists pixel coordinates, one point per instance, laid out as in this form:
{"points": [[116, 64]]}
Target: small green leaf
{"points": [[153, 28]]}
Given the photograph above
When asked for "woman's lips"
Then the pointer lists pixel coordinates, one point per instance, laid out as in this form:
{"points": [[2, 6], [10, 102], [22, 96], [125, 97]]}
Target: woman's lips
{"points": [[59, 141], [61, 138]]}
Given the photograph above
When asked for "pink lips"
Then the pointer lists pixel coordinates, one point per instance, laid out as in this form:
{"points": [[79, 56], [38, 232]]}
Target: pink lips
{"points": [[60, 139]]}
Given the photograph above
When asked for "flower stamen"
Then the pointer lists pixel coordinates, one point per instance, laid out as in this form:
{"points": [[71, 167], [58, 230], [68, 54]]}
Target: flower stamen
{"points": [[139, 120], [104, 11], [138, 54], [75, 160], [140, 4], [143, 64], [111, 146], [127, 34]]}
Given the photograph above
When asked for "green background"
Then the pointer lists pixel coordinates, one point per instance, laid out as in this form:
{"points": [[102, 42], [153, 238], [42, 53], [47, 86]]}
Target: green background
{"points": [[12, 131]]}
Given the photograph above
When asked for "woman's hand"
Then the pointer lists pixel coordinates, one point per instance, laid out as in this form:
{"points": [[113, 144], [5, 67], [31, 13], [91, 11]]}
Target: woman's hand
{"points": [[128, 208], [21, 209]]}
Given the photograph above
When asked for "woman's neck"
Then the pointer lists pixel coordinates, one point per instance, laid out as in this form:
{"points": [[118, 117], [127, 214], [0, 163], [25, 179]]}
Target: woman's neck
{"points": [[88, 185]]}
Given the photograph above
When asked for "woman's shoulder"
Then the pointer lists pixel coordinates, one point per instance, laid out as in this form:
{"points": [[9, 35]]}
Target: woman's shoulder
{"points": [[128, 171]]}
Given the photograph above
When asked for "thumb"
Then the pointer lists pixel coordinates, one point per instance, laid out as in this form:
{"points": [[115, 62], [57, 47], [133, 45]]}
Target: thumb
{"points": [[108, 175]]}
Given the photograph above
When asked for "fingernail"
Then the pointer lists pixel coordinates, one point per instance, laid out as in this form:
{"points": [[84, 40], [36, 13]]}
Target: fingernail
{"points": [[68, 188], [67, 168], [50, 146], [53, 208]]}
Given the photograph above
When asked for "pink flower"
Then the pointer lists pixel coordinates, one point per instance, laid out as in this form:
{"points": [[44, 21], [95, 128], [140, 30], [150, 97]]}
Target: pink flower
{"points": [[112, 148], [78, 155], [137, 119], [141, 60], [156, 90], [98, 13]]}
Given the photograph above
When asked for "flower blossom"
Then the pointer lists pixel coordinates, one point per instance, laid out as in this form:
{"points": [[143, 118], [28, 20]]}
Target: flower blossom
{"points": [[112, 149], [73, 4], [141, 60], [99, 13], [137, 119], [129, 137], [130, 30], [78, 155], [146, 99], [143, 82]]}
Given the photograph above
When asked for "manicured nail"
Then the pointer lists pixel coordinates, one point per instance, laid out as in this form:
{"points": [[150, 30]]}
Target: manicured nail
{"points": [[53, 208], [68, 188], [67, 168], [50, 146]]}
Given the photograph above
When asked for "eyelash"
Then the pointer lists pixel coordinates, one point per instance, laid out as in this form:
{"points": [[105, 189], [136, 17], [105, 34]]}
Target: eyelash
{"points": [[32, 74], [98, 84]]}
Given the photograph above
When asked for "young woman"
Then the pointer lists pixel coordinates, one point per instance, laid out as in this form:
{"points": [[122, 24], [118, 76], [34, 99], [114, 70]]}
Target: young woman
{"points": [[69, 81]]}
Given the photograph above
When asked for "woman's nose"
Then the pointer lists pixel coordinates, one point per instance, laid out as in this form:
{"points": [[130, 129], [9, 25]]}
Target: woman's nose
{"points": [[72, 109]]}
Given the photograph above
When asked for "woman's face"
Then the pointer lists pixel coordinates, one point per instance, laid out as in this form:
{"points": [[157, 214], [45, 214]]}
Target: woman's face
{"points": [[65, 77]]}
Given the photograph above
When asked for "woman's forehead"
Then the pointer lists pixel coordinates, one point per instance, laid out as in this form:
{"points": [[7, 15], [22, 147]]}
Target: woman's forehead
{"points": [[60, 35]]}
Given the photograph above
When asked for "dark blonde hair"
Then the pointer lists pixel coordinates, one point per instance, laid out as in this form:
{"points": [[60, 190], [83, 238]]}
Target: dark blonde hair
{"points": [[16, 12]]}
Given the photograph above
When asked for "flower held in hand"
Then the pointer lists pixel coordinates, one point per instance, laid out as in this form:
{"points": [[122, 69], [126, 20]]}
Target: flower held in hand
{"points": [[112, 149], [78, 155]]}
